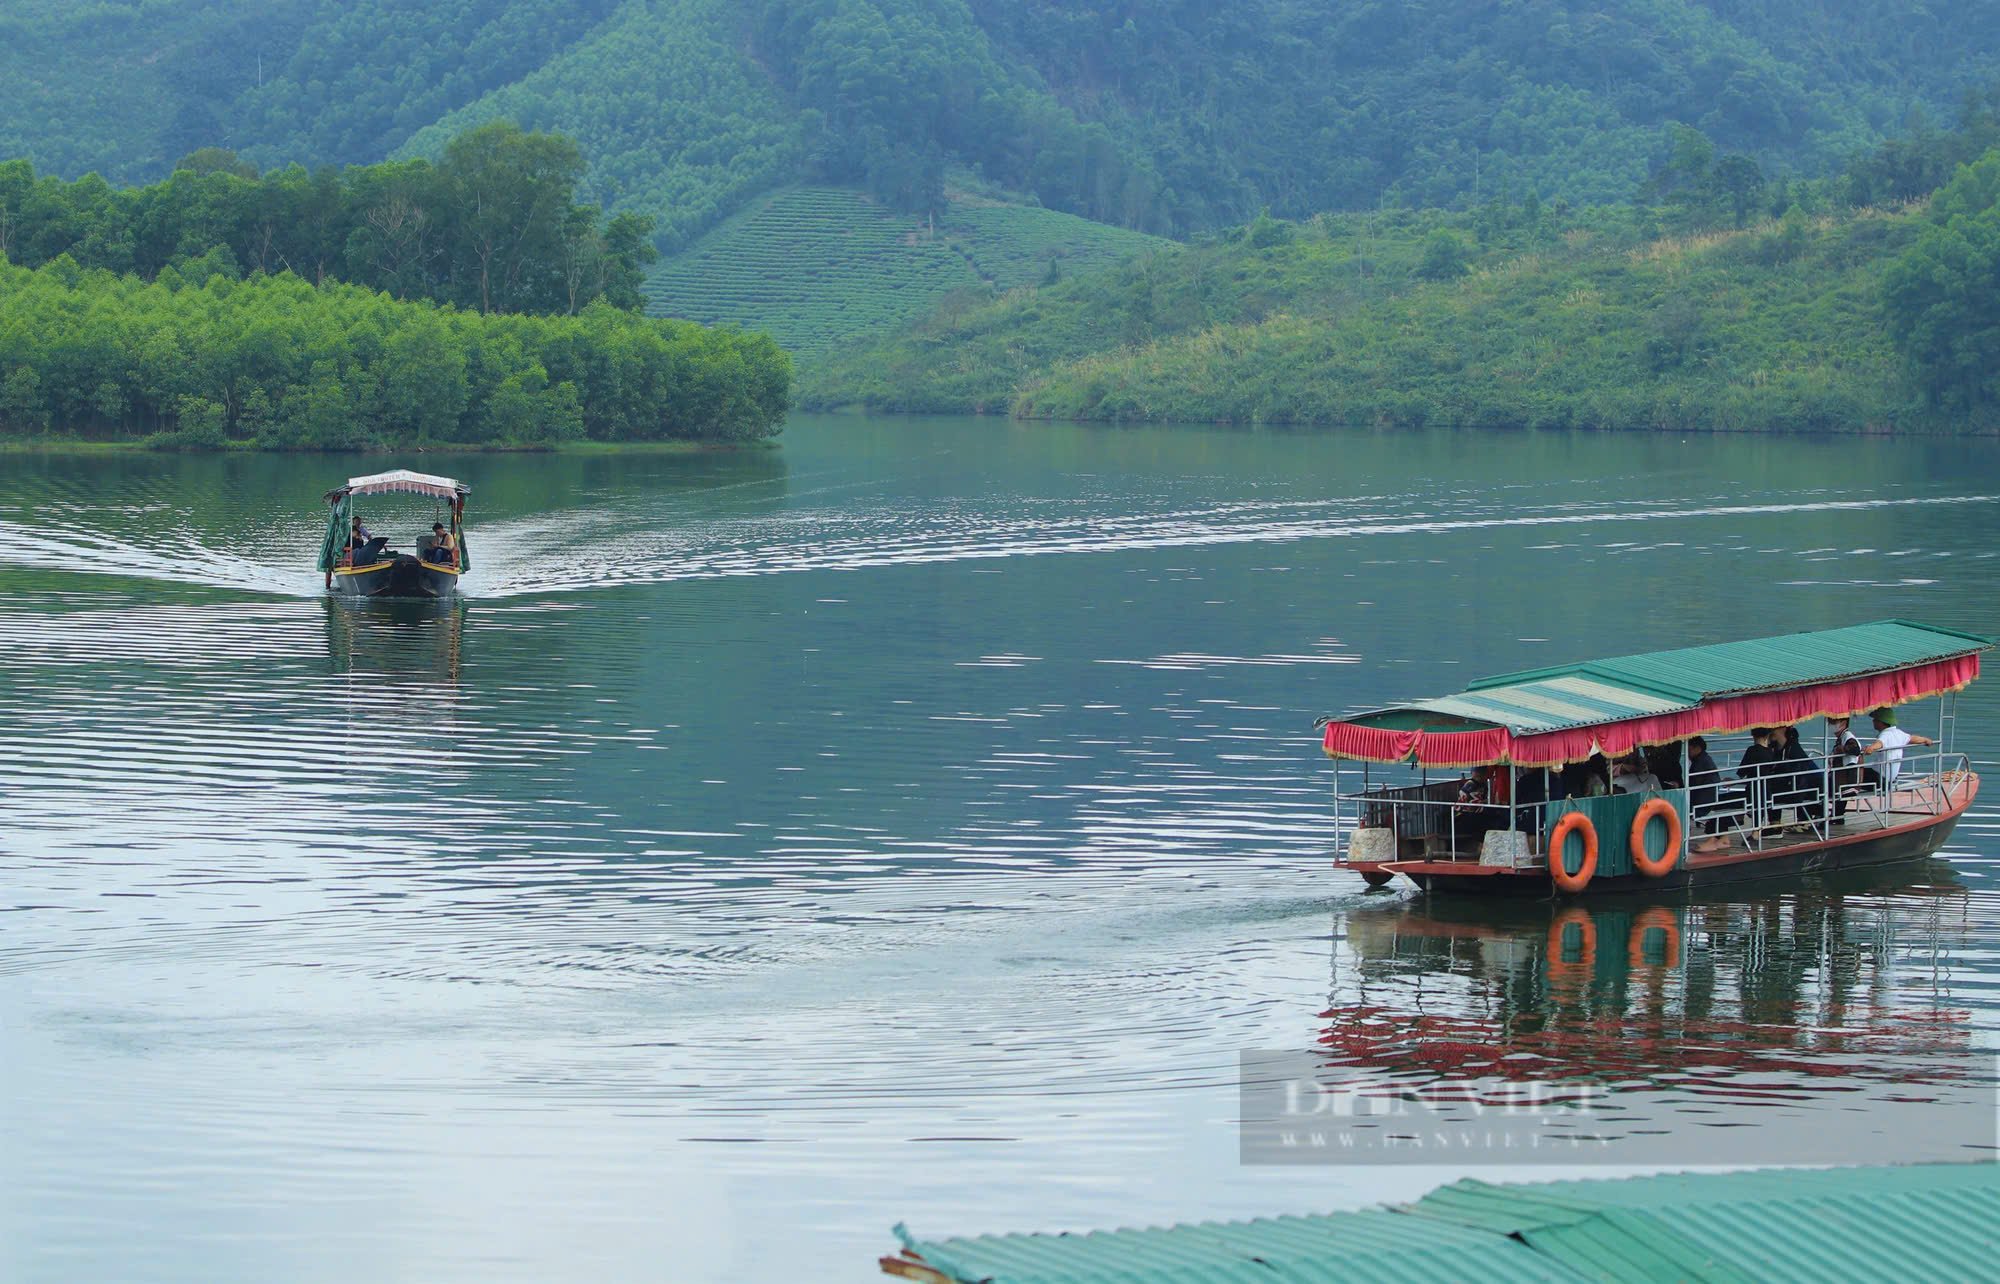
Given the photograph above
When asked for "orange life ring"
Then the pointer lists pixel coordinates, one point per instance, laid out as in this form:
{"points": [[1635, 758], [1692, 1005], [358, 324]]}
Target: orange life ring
{"points": [[1559, 838], [1663, 918], [1586, 965], [1664, 864]]}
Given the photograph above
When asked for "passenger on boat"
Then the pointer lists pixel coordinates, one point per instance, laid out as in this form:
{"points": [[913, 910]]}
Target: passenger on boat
{"points": [[362, 547], [1633, 776], [1664, 761], [1473, 816], [1797, 781], [1704, 778], [1890, 741], [1530, 792], [1754, 765], [1585, 779], [1848, 773], [443, 550]]}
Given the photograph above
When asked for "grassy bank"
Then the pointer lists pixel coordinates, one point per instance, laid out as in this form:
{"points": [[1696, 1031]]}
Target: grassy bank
{"points": [[821, 268]]}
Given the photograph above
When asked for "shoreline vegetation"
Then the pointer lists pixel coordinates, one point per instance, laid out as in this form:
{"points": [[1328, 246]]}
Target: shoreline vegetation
{"points": [[59, 444], [411, 306], [1724, 301]]}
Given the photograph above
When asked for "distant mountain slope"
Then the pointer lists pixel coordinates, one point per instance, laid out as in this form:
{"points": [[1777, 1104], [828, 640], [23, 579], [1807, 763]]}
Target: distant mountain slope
{"points": [[820, 267], [126, 89], [366, 74], [676, 120], [1171, 117]]}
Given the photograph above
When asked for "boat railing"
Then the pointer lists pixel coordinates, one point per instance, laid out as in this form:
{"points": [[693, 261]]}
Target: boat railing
{"points": [[1821, 803], [1760, 807], [1923, 784], [1431, 813]]}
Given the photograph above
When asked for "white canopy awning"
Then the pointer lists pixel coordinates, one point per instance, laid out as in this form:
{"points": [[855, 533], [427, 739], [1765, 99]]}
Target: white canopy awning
{"points": [[402, 481]]}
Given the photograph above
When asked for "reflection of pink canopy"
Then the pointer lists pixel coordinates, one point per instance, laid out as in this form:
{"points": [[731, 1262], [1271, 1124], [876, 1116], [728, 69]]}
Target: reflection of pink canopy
{"points": [[401, 481]]}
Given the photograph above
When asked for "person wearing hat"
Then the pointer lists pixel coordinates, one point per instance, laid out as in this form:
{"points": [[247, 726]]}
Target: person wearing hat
{"points": [[444, 549], [1890, 741]]}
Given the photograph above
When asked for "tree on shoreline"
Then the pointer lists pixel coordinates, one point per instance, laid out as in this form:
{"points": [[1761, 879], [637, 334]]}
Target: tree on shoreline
{"points": [[1942, 295], [494, 225], [277, 362]]}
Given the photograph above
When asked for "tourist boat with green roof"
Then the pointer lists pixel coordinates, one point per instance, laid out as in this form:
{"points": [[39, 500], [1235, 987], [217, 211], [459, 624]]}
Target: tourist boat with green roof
{"points": [[359, 564], [1759, 759]]}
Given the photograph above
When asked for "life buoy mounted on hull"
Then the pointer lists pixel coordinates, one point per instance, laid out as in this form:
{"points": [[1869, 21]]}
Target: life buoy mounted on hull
{"points": [[1574, 822], [1662, 865]]}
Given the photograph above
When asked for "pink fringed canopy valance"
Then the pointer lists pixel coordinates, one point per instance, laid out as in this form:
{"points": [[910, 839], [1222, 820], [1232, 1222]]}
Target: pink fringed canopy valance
{"points": [[1724, 716]]}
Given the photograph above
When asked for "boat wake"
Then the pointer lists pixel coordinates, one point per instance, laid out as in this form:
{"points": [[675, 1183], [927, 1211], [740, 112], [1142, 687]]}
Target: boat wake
{"points": [[631, 543], [181, 559], [553, 558]]}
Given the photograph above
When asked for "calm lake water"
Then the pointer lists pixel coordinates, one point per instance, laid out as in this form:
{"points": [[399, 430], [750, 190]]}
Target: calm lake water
{"points": [[914, 823]]}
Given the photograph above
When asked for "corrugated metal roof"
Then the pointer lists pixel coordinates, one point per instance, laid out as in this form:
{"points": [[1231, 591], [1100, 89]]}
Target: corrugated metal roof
{"points": [[1695, 673], [1596, 692], [1917, 1221], [1518, 1205], [1944, 1236], [1372, 1245], [1622, 1244], [1924, 1220], [1547, 704]]}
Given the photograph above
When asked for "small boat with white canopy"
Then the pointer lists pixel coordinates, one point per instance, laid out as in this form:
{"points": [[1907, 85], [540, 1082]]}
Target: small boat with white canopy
{"points": [[358, 563], [1673, 769]]}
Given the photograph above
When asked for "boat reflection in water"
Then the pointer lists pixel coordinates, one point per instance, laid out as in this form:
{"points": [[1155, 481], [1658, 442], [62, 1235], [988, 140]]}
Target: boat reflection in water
{"points": [[1830, 1005], [397, 641]]}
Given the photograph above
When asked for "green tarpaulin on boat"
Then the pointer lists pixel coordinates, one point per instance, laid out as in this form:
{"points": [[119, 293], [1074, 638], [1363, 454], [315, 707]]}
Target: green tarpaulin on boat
{"points": [[336, 533]]}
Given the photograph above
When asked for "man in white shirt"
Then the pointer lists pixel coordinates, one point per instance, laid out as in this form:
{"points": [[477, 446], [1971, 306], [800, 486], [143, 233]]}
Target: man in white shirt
{"points": [[1890, 741]]}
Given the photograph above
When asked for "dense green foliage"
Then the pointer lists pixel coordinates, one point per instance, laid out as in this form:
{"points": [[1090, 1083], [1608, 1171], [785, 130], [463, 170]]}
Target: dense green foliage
{"points": [[1770, 328], [1942, 295], [822, 267], [494, 225], [277, 362], [1734, 303], [364, 75], [1172, 117]]}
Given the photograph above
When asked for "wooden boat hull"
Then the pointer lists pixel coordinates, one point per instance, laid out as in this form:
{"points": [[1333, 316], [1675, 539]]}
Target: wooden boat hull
{"points": [[402, 576], [1866, 846]]}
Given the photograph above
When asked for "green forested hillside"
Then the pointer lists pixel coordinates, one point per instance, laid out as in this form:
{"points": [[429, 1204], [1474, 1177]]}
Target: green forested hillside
{"points": [[1172, 117], [817, 267], [676, 120], [1774, 327], [1709, 311], [122, 89], [364, 75]]}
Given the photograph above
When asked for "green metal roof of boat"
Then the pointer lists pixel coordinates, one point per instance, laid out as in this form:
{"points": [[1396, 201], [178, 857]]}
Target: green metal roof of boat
{"points": [[1915, 1221], [1594, 692], [1919, 1221], [1694, 673], [1374, 1244]]}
